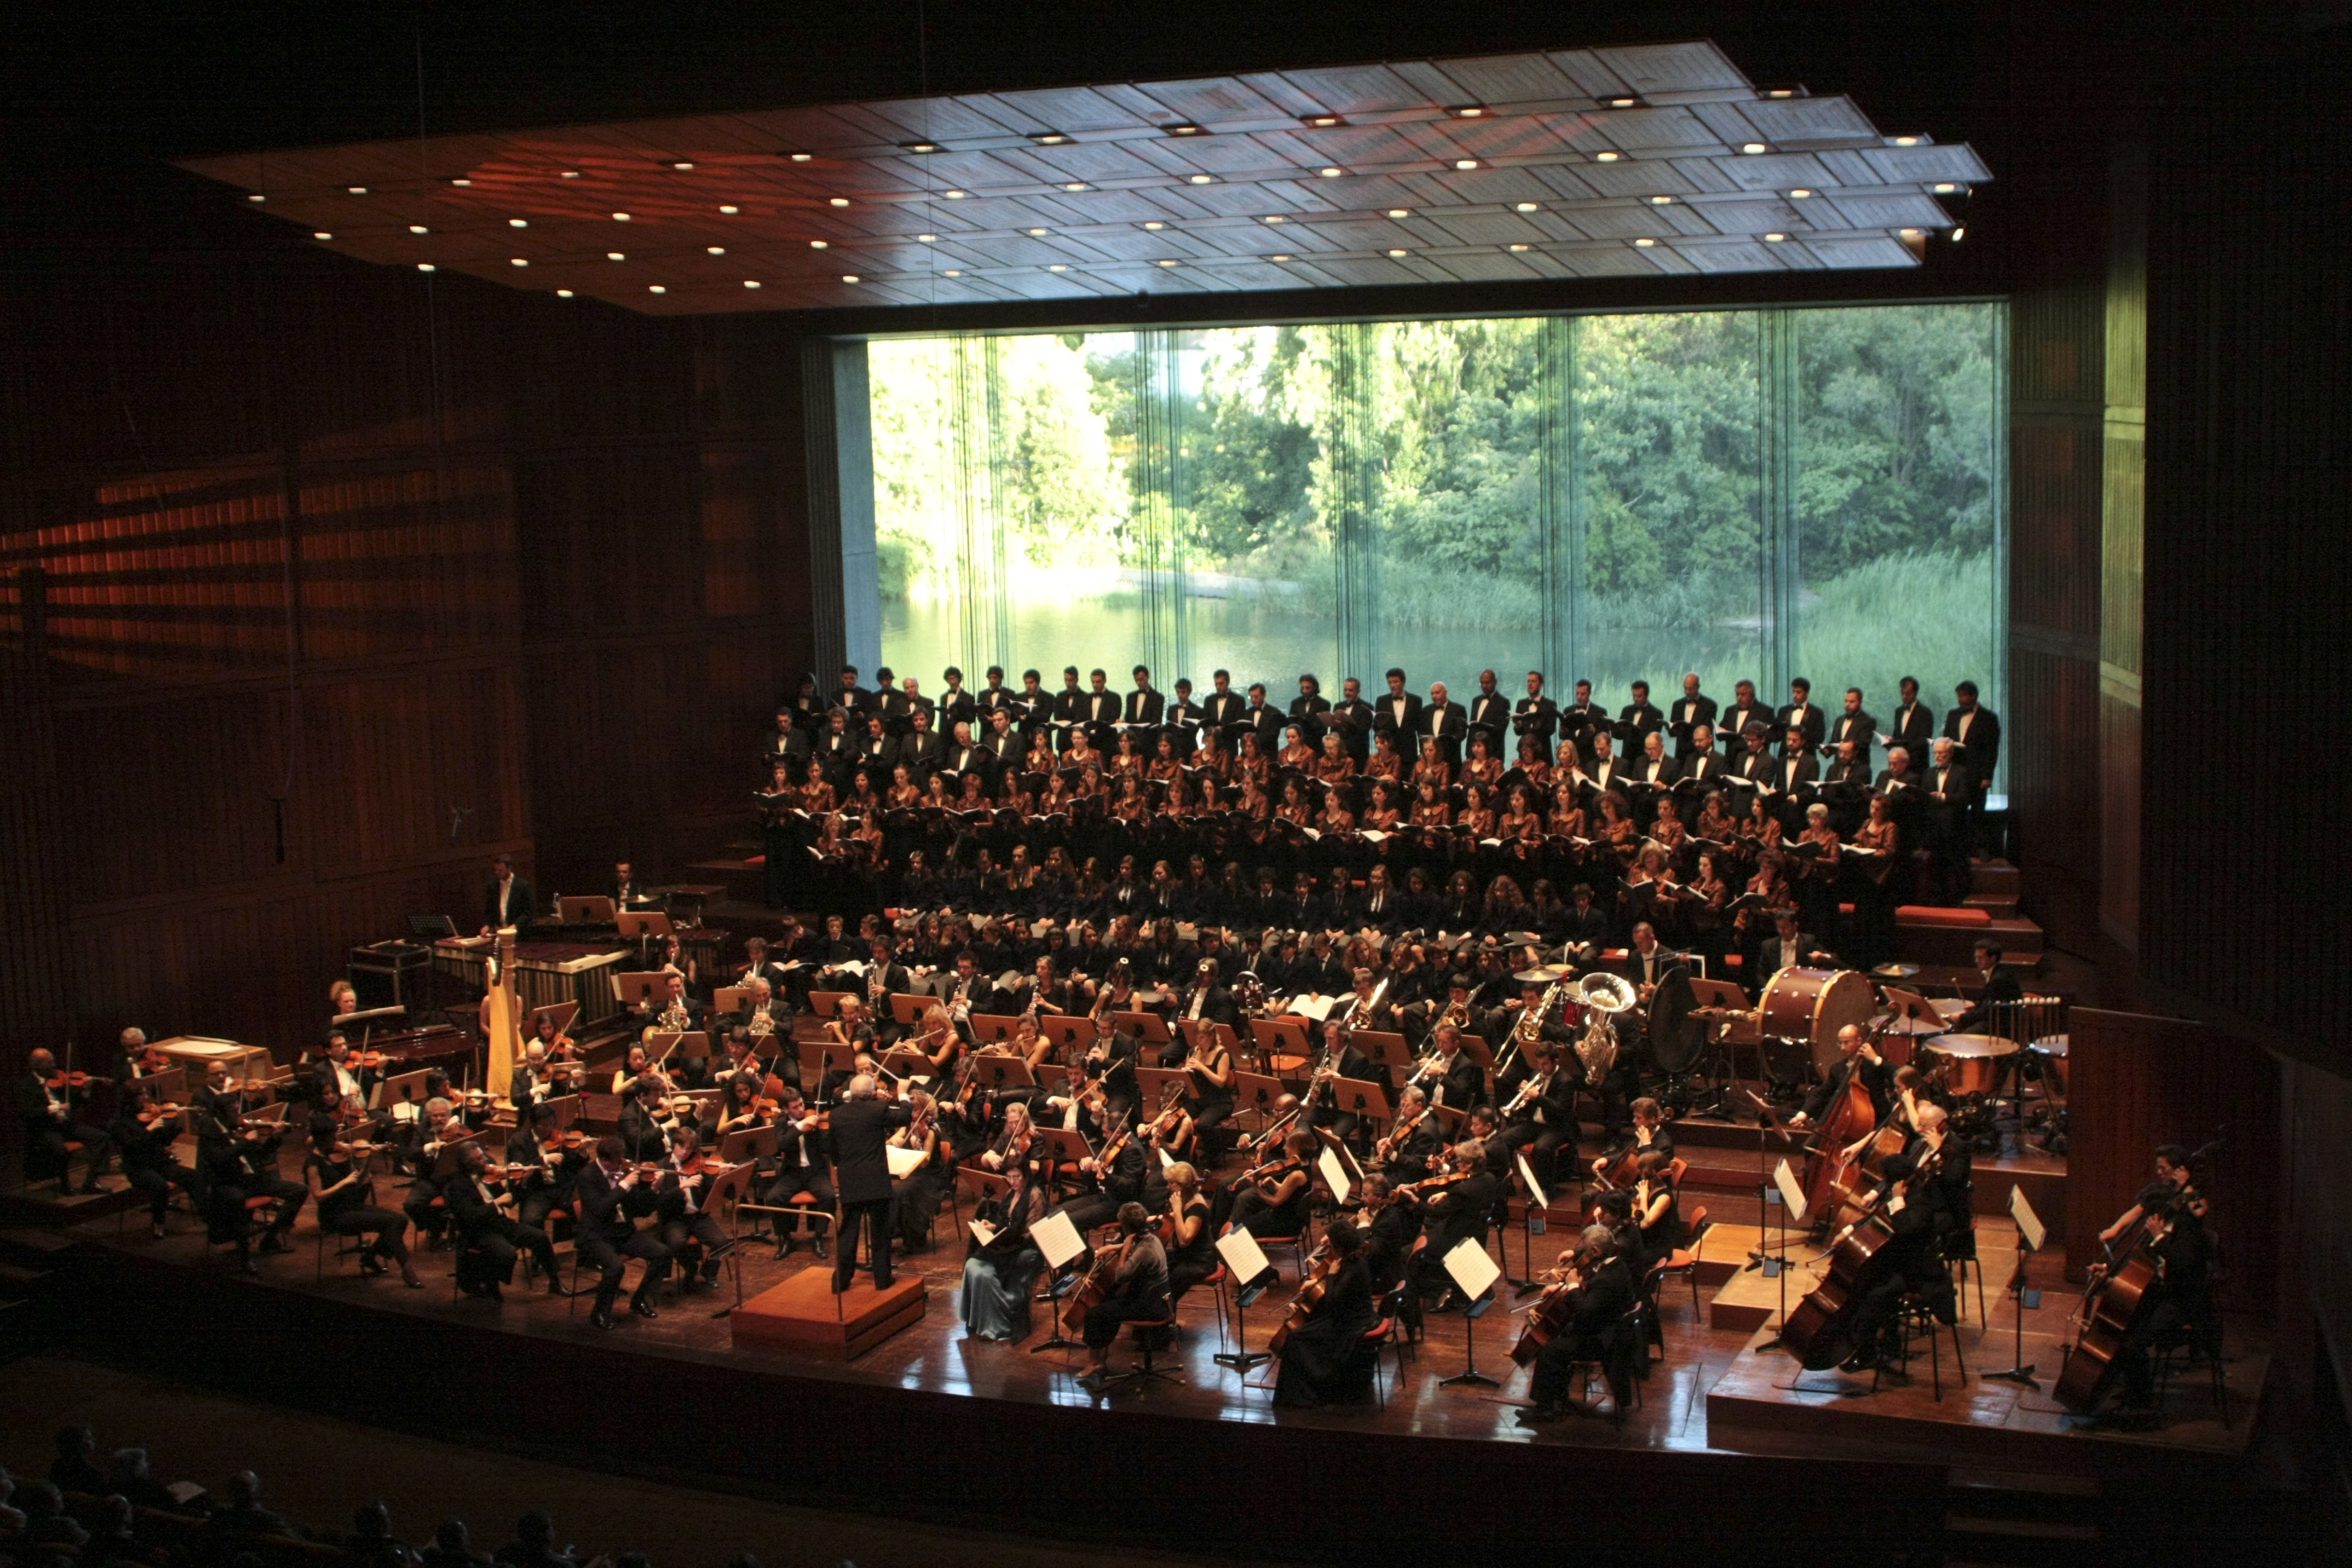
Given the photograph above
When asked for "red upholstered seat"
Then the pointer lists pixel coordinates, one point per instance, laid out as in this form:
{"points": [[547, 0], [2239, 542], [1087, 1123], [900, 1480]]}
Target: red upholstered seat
{"points": [[1938, 915]]}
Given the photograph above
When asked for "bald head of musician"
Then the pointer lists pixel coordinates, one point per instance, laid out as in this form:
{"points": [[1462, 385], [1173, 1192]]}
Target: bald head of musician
{"points": [[1653, 746], [1854, 1045]]}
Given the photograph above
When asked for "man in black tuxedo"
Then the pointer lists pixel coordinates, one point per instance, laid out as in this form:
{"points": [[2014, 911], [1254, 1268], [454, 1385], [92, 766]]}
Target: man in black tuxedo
{"points": [[1913, 726], [898, 706], [1307, 710], [1069, 706], [1583, 722], [1261, 719], [884, 978], [1004, 745], [507, 902], [1144, 706], [1655, 774], [956, 706], [921, 750], [1976, 730], [1701, 773], [1999, 995], [1600, 776], [1794, 777], [1443, 721], [1098, 710], [1853, 724], [963, 757], [607, 1237], [1223, 708], [1353, 718], [1536, 716], [1182, 718], [1800, 714], [787, 744], [1033, 706], [1639, 719], [486, 1222], [1490, 711], [1951, 792], [876, 752], [1690, 710], [862, 1125], [1845, 788], [993, 695], [1743, 712], [627, 892], [1595, 1329], [1907, 800], [836, 745], [1379, 906], [851, 695], [1787, 947], [1755, 762], [1856, 1062], [1588, 925], [50, 1122], [1399, 713]]}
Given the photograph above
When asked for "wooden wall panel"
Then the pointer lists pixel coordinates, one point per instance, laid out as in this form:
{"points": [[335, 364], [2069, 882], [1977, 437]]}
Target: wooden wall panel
{"points": [[609, 538], [415, 556], [2138, 1081], [385, 759]]}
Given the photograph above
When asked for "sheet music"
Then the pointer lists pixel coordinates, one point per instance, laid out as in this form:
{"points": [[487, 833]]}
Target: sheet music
{"points": [[983, 1232], [1334, 1175], [2030, 1227], [1472, 1271], [904, 1162], [1243, 1256], [1057, 1238], [1792, 1192]]}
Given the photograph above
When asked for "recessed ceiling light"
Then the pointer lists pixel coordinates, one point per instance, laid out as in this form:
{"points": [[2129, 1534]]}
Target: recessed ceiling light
{"points": [[1201, 179], [849, 277], [681, 166], [1076, 185], [1782, 92], [1056, 267], [461, 181], [716, 249], [656, 288], [1323, 122], [1662, 201], [1047, 138], [952, 196], [1400, 211], [1525, 206], [1801, 193], [1645, 242], [1039, 233], [620, 217], [818, 244], [1607, 157], [919, 146], [841, 201], [1282, 258], [1751, 146], [517, 261], [1518, 247], [1184, 131], [1774, 239], [320, 233], [1466, 163], [954, 272], [615, 255], [425, 267], [1906, 140], [800, 157], [518, 223], [1169, 263], [1396, 253], [1957, 232], [1155, 222], [417, 228], [1623, 103], [568, 174], [1944, 187], [1909, 233], [1273, 217], [928, 238], [257, 196], [751, 283], [1330, 173], [563, 293], [1470, 111]]}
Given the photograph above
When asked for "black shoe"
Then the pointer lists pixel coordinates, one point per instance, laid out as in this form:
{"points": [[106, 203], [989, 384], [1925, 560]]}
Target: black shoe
{"points": [[1861, 1360], [274, 1244], [1540, 1414], [555, 1287], [247, 1265], [602, 1317], [644, 1309], [371, 1265], [784, 1245], [157, 1227], [823, 1252]]}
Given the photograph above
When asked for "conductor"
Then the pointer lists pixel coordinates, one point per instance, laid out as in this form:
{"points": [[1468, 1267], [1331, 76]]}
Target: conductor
{"points": [[862, 1125]]}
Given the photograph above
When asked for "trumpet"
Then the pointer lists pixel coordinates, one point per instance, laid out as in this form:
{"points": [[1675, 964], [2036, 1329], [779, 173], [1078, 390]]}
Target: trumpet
{"points": [[1537, 1086]]}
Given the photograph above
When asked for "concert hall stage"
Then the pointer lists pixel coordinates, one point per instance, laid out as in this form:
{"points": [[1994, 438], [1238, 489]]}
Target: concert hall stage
{"points": [[1708, 1428]]}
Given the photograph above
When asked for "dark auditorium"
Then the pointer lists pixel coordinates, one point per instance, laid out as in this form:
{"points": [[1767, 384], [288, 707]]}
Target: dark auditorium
{"points": [[800, 786]]}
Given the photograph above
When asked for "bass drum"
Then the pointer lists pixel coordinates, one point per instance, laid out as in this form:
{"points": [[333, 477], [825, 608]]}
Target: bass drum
{"points": [[1675, 1037], [1811, 1005]]}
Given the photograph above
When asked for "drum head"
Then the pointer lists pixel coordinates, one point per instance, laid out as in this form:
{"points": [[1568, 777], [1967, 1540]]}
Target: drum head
{"points": [[1846, 998]]}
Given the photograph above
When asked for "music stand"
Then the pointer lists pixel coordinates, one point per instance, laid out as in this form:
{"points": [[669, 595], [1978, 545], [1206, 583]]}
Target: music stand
{"points": [[565, 1108], [747, 1143], [1059, 1242], [827, 1004], [988, 1028], [1473, 1274], [1148, 1027], [1064, 1147], [730, 999], [1151, 1082], [906, 1007], [1069, 1031], [1384, 1049], [2029, 1237], [1534, 1219], [997, 1072], [639, 988], [563, 1014], [1245, 1263], [1257, 1092], [1365, 1099], [585, 911], [821, 1057]]}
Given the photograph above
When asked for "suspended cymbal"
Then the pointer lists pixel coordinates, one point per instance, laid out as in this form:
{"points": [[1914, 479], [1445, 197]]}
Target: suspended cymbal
{"points": [[1541, 977]]}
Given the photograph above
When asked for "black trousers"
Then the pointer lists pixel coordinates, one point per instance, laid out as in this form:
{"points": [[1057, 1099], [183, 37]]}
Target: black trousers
{"points": [[610, 1259], [46, 1154], [389, 1228], [500, 1241], [702, 1227], [815, 1180], [1549, 1385], [1541, 1141], [156, 1182], [873, 1218]]}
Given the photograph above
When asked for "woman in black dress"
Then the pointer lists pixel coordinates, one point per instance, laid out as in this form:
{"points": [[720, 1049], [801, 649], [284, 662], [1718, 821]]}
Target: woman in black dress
{"points": [[339, 1190], [1191, 1241], [1322, 1361]]}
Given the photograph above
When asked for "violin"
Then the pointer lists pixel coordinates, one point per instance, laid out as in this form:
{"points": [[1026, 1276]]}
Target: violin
{"points": [[68, 1080], [567, 1141], [365, 1061], [1423, 1188], [149, 1114], [1272, 1173]]}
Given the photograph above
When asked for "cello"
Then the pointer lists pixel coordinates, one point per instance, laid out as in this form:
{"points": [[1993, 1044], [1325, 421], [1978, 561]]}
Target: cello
{"points": [[2118, 1295], [1820, 1331], [1322, 1264], [1548, 1315]]}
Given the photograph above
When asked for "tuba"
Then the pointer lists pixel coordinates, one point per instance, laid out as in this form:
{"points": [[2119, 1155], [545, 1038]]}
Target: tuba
{"points": [[1604, 996]]}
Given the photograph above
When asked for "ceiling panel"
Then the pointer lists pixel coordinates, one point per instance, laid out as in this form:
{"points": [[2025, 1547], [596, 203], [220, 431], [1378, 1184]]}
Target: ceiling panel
{"points": [[1552, 133]]}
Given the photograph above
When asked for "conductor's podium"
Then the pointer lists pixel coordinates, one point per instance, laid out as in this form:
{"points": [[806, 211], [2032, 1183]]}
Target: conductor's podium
{"points": [[803, 1317]]}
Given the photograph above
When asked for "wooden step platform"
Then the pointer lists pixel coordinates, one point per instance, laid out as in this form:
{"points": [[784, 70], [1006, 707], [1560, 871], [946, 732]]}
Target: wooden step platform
{"points": [[803, 1317], [1748, 1301]]}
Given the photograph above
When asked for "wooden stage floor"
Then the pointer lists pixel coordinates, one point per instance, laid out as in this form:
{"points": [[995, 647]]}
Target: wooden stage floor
{"points": [[1713, 1393]]}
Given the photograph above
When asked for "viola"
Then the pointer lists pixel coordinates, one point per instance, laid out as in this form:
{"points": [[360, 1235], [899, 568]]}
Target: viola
{"points": [[566, 1142]]}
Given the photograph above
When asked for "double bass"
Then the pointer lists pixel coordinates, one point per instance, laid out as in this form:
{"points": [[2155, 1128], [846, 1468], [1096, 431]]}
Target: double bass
{"points": [[1820, 1330], [2116, 1297], [1830, 1186]]}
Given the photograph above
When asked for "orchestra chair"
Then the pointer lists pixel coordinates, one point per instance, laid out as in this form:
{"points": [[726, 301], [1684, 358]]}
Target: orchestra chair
{"points": [[1680, 1264], [726, 1196], [1915, 1321], [802, 1202], [1387, 1334], [1624, 1351], [260, 1213], [1214, 1283], [1958, 1251], [2178, 1349], [472, 1252], [1146, 1332]]}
